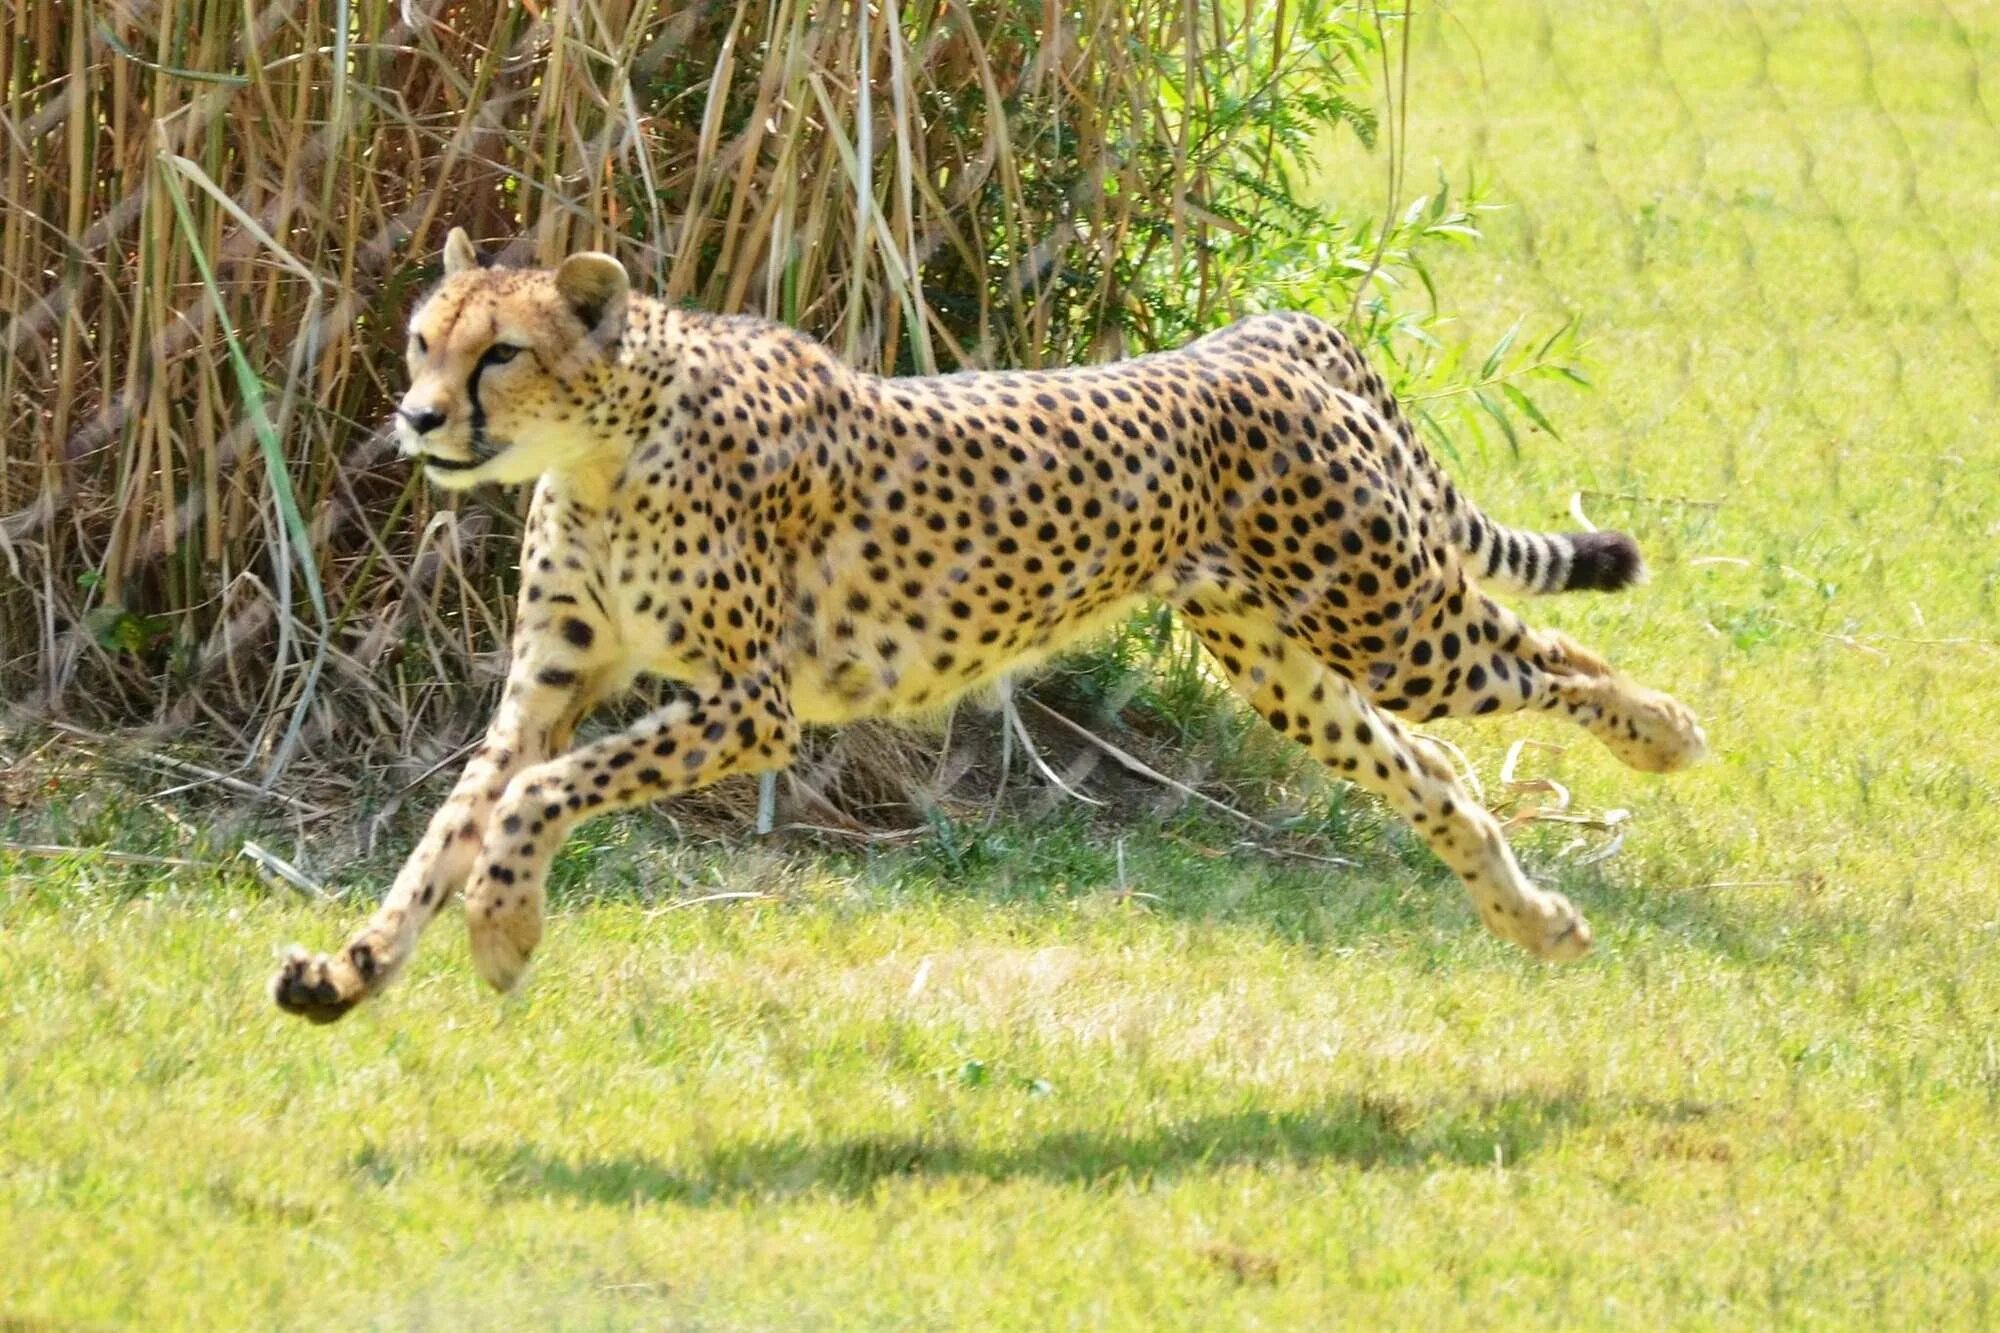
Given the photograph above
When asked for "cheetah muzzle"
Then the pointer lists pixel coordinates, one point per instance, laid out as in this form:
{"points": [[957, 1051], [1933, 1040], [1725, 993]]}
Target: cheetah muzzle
{"points": [[721, 502]]}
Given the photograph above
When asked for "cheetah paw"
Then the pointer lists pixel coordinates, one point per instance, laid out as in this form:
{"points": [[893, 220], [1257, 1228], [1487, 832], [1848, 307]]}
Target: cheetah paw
{"points": [[500, 955], [1549, 927], [318, 987], [1564, 936], [1664, 735]]}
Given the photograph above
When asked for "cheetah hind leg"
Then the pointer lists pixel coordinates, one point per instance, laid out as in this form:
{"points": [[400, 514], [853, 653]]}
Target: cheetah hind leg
{"points": [[1645, 729], [1305, 701], [1488, 660]]}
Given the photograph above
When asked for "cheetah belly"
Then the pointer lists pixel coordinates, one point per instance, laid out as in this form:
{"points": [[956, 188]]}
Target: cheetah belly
{"points": [[847, 677]]}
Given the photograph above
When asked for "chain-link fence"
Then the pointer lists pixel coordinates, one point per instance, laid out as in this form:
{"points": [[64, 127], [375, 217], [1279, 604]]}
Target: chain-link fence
{"points": [[1765, 220]]}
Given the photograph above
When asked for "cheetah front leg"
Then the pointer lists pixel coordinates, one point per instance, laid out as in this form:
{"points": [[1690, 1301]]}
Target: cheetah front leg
{"points": [[746, 727], [562, 643], [535, 719]]}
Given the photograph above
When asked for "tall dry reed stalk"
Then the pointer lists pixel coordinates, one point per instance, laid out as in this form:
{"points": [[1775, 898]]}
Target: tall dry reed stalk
{"points": [[216, 216]]}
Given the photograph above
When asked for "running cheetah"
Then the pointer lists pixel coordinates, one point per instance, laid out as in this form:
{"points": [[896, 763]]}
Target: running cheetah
{"points": [[721, 502]]}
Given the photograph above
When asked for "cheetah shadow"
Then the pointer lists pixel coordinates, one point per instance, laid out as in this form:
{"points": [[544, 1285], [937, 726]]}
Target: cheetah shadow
{"points": [[1365, 1131], [1387, 890], [1367, 880]]}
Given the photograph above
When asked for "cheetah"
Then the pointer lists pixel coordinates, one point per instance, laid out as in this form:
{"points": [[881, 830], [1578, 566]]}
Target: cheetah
{"points": [[721, 502]]}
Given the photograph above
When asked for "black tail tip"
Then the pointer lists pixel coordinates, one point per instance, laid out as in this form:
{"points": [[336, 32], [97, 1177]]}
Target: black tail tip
{"points": [[1604, 562]]}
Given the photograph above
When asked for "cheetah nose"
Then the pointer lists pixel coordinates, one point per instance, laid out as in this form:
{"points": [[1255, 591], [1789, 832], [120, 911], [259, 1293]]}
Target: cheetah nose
{"points": [[424, 420]]}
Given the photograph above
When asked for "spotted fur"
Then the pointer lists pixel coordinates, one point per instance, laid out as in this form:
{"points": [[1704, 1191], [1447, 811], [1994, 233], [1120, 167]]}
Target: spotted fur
{"points": [[721, 502]]}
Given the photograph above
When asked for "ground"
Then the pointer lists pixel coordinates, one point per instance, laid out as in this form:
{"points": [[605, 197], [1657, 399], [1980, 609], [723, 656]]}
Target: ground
{"points": [[969, 1083]]}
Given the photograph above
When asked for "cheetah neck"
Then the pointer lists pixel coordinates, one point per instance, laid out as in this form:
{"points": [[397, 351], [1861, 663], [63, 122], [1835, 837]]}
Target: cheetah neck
{"points": [[650, 362]]}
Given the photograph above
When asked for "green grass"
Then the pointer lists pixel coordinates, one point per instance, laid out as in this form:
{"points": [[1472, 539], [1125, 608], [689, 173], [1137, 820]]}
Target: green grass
{"points": [[937, 1088]]}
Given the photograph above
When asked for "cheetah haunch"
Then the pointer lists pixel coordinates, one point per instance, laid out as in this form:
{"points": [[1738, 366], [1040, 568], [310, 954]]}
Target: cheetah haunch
{"points": [[721, 502]]}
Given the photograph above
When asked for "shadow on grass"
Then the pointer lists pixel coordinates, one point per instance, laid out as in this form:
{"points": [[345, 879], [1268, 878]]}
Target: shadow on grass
{"points": [[1193, 868], [1365, 1131]]}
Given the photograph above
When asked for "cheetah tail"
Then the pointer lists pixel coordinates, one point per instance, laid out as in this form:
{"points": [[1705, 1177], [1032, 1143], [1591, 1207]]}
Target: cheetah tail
{"points": [[1504, 559], [1507, 560]]}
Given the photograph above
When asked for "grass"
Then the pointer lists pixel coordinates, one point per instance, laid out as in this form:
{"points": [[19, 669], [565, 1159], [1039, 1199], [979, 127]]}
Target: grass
{"points": [[970, 1084]]}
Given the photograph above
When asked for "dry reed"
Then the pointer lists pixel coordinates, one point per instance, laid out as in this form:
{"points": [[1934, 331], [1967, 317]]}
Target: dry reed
{"points": [[216, 216]]}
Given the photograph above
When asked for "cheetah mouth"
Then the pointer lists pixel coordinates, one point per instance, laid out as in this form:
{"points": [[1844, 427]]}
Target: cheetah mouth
{"points": [[481, 452]]}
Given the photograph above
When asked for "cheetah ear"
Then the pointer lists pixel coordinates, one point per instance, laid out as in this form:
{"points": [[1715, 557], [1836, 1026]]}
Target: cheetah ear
{"points": [[595, 286], [458, 252]]}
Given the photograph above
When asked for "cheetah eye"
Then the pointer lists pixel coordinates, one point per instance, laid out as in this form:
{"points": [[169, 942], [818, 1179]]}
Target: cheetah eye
{"points": [[499, 354]]}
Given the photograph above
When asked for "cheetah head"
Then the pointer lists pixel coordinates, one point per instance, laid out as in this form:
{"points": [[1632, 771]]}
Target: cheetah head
{"points": [[505, 365]]}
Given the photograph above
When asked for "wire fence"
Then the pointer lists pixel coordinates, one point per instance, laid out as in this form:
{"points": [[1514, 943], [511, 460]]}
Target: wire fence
{"points": [[213, 232], [1766, 218], [1816, 164]]}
